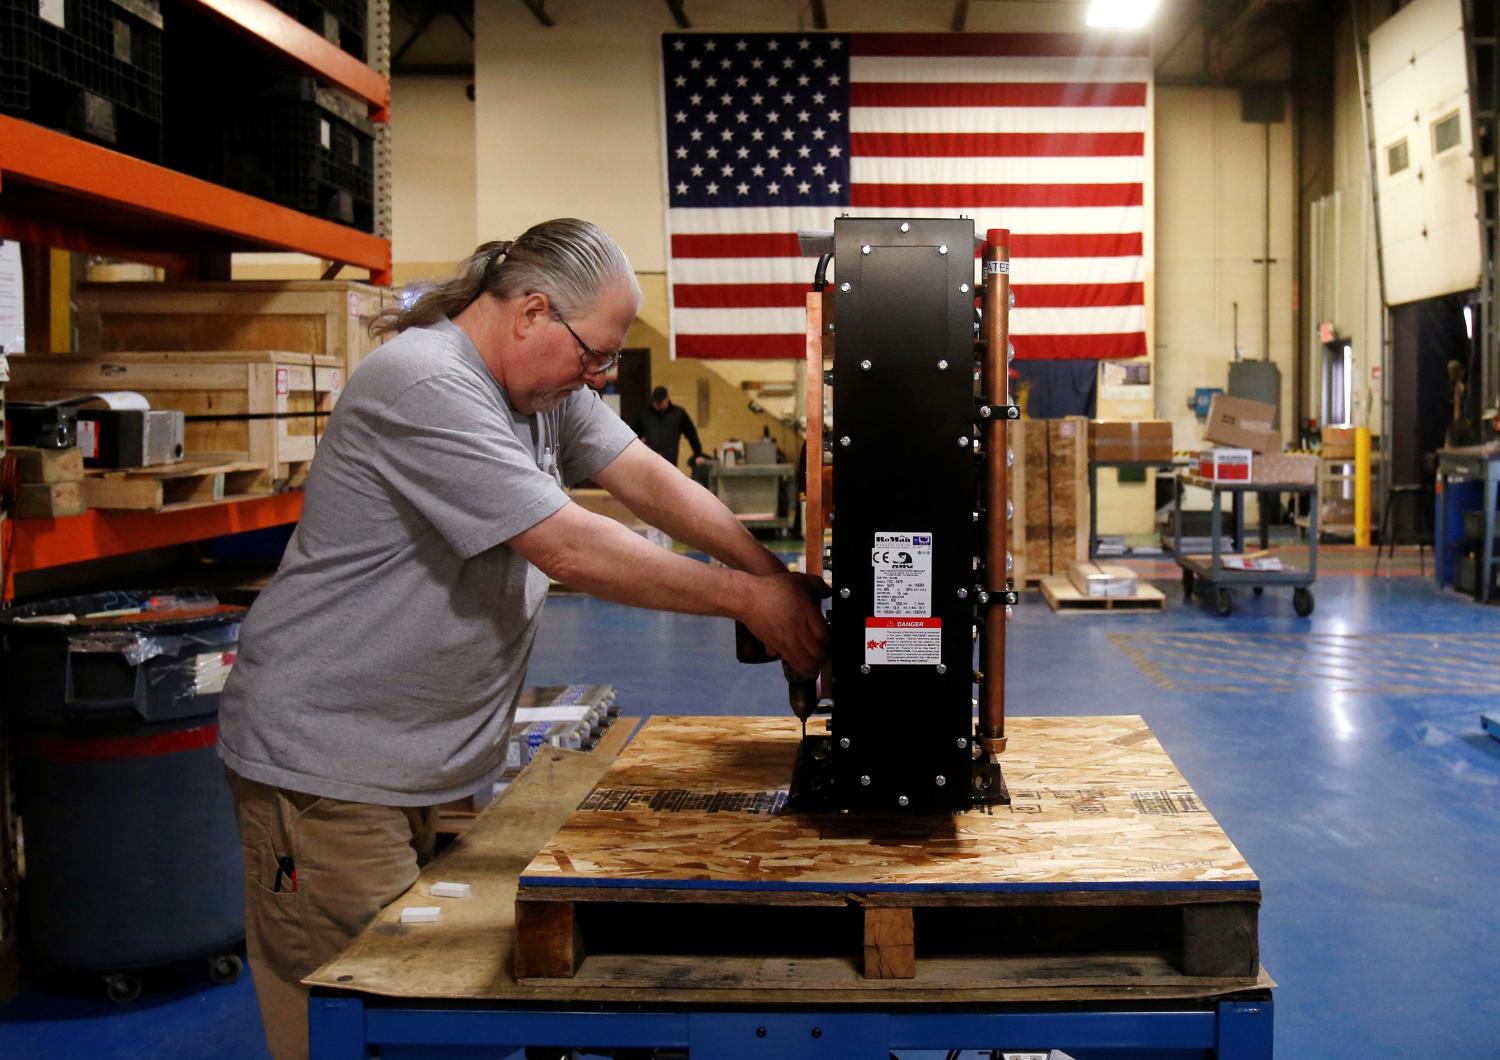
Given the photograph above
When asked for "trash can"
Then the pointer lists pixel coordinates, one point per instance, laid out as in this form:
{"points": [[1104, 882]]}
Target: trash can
{"points": [[131, 850]]}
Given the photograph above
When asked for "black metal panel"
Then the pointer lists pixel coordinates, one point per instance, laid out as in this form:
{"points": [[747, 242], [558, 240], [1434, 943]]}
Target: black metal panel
{"points": [[903, 396]]}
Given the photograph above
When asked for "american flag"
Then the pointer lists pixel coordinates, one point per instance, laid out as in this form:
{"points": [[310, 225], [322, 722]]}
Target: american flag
{"points": [[1043, 134]]}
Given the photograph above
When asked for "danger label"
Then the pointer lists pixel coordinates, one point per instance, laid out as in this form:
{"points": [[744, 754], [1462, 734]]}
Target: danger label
{"points": [[903, 641], [903, 575]]}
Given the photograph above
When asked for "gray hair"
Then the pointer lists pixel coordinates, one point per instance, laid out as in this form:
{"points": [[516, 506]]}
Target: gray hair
{"points": [[572, 262]]}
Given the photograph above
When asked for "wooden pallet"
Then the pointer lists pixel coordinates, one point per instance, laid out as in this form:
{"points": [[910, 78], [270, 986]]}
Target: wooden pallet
{"points": [[198, 480], [681, 860], [1064, 597]]}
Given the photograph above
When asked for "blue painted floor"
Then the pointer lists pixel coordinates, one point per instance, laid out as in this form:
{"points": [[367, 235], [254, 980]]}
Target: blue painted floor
{"points": [[1342, 753]]}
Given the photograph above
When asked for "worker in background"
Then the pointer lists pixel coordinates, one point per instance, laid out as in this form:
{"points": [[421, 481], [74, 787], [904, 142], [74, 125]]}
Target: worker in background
{"points": [[378, 672], [664, 424]]}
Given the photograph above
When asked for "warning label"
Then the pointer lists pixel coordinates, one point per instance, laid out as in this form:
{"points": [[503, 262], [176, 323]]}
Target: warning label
{"points": [[903, 575], [903, 641]]}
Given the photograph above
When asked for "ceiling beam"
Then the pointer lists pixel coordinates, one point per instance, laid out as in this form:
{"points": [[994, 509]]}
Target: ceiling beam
{"points": [[960, 15], [675, 6], [539, 9]]}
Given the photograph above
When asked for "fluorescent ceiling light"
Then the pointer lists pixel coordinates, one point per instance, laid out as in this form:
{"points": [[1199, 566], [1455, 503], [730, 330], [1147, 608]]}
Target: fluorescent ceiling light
{"points": [[1120, 14]]}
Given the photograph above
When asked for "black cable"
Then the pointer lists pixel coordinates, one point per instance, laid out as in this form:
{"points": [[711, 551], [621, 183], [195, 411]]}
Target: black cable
{"points": [[820, 278]]}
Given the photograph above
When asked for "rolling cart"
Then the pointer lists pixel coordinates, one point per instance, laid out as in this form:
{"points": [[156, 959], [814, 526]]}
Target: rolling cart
{"points": [[1210, 576]]}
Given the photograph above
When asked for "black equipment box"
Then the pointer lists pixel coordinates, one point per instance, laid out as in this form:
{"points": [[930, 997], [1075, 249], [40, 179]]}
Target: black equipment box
{"points": [[44, 425]]}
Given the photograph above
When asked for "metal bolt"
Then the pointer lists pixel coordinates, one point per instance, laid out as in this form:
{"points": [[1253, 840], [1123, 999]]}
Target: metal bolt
{"points": [[844, 594], [844, 743], [844, 440], [905, 227], [964, 288], [962, 743], [902, 800], [844, 287], [817, 1032], [984, 597], [941, 780], [941, 669], [963, 594], [760, 1032], [985, 412], [942, 366], [864, 365], [865, 249], [964, 441], [1013, 412], [864, 668], [943, 249], [864, 782]]}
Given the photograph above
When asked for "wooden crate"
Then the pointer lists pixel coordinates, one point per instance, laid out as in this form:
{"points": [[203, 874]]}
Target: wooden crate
{"points": [[684, 852], [326, 318], [1054, 482], [259, 405]]}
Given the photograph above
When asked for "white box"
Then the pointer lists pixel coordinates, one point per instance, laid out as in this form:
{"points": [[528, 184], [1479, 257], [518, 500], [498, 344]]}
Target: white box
{"points": [[1222, 464]]}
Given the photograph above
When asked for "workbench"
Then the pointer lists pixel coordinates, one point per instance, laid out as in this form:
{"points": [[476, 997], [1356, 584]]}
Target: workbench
{"points": [[450, 989]]}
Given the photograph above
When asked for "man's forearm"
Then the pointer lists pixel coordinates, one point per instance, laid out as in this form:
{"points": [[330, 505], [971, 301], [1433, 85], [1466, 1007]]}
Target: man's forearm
{"points": [[661, 495], [596, 555]]}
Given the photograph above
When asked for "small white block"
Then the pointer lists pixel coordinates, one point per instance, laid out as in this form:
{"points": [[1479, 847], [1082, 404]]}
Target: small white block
{"points": [[420, 914], [449, 890]]}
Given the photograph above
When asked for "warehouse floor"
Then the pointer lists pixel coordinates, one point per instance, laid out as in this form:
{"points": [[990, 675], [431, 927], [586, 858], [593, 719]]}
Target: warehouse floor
{"points": [[1341, 753]]}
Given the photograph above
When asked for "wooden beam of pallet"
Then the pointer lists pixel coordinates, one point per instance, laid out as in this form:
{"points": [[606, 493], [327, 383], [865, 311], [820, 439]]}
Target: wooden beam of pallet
{"points": [[890, 944], [548, 943]]}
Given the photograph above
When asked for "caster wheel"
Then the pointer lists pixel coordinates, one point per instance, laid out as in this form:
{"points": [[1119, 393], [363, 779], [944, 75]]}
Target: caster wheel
{"points": [[1302, 602], [1187, 586], [1223, 602], [225, 968], [1260, 590], [122, 989]]}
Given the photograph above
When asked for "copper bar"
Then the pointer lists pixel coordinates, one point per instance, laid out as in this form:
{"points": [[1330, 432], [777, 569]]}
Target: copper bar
{"points": [[996, 381], [813, 385]]}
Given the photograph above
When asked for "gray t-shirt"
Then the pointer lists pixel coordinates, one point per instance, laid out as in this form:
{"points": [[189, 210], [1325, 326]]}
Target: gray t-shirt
{"points": [[383, 662]]}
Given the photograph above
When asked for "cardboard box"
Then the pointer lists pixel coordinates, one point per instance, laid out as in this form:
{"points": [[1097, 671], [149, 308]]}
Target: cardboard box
{"points": [[1290, 468], [1226, 465], [1338, 443], [1103, 579], [1145, 440], [1242, 424]]}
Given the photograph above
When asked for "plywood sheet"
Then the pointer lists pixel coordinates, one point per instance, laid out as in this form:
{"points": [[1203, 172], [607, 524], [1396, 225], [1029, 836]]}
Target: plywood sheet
{"points": [[1096, 805], [467, 954]]}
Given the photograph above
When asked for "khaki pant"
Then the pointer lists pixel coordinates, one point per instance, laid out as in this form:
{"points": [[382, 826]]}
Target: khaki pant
{"points": [[351, 859]]}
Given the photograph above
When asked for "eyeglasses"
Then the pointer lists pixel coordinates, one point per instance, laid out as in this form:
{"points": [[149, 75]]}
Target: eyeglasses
{"points": [[594, 361]]}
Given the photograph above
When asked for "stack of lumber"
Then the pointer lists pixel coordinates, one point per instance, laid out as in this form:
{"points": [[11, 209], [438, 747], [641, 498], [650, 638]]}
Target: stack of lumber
{"points": [[51, 482], [1050, 489]]}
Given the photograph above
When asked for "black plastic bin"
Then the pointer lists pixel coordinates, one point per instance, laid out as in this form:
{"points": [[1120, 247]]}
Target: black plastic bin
{"points": [[132, 854]]}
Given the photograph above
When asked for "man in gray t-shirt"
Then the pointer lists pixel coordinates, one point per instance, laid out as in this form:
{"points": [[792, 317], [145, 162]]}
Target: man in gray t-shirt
{"points": [[378, 672]]}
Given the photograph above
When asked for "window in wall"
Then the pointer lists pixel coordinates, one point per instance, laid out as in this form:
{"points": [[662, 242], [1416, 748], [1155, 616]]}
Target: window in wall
{"points": [[1397, 157], [1447, 133]]}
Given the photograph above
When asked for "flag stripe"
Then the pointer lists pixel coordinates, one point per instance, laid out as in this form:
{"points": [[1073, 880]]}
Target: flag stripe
{"points": [[742, 347], [1122, 170], [798, 270], [1078, 320], [739, 295], [958, 196], [988, 120], [1005, 94], [890, 69], [997, 145], [732, 245], [1100, 219], [1079, 347], [1077, 46], [784, 295]]}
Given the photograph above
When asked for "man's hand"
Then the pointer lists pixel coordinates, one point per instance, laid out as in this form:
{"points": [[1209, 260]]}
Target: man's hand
{"points": [[782, 611]]}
